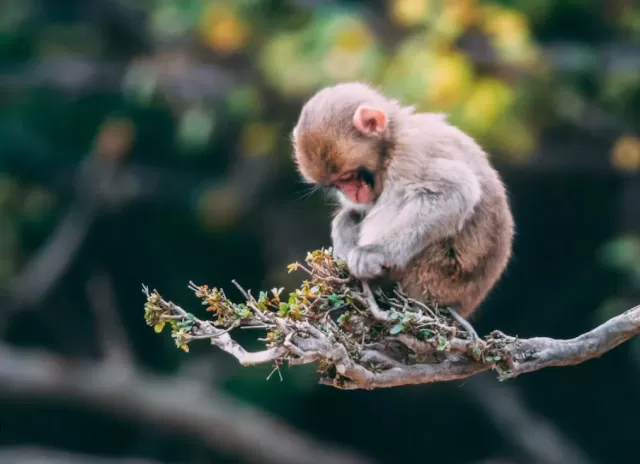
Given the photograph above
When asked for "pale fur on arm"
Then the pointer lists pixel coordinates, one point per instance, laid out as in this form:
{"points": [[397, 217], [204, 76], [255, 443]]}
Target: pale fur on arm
{"points": [[407, 218], [345, 231]]}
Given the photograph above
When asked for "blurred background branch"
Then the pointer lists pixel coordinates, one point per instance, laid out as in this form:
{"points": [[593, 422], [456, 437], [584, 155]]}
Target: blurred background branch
{"points": [[38, 455], [532, 436], [181, 406]]}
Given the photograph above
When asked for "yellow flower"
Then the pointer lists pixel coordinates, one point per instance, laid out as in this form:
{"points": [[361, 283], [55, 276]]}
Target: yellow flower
{"points": [[409, 12], [506, 24], [223, 30], [463, 12], [355, 37], [455, 17], [509, 33], [449, 81], [341, 65], [489, 99], [625, 153], [514, 138], [277, 56], [299, 78]]}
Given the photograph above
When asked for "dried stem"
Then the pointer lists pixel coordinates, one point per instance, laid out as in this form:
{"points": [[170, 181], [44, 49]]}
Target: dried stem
{"points": [[373, 306], [464, 323]]}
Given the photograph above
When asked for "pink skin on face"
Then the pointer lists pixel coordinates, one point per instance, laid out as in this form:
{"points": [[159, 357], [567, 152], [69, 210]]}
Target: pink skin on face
{"points": [[354, 188]]}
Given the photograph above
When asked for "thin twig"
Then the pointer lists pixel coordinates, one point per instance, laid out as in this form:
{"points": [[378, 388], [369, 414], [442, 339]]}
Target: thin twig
{"points": [[464, 323], [378, 313], [424, 306]]}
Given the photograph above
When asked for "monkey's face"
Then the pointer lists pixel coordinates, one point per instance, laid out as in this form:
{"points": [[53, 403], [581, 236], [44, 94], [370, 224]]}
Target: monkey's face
{"points": [[346, 156], [347, 164]]}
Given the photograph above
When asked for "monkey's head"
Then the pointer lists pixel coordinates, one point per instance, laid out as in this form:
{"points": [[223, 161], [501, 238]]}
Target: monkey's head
{"points": [[342, 138]]}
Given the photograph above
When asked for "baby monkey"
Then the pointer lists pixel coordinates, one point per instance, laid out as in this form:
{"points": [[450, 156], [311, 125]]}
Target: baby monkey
{"points": [[420, 201]]}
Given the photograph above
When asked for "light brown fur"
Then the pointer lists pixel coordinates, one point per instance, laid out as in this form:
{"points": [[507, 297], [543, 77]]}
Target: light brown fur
{"points": [[447, 235]]}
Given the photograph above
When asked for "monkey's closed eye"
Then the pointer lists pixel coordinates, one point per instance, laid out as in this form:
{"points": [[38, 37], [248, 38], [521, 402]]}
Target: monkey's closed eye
{"points": [[348, 177]]}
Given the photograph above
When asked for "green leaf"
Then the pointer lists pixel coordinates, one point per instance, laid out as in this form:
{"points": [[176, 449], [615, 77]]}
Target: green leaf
{"points": [[263, 299], [243, 311], [344, 318], [443, 344], [396, 329], [394, 316], [336, 300], [283, 309]]}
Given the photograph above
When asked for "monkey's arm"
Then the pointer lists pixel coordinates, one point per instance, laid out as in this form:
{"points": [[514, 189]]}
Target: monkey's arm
{"points": [[345, 232], [407, 218]]}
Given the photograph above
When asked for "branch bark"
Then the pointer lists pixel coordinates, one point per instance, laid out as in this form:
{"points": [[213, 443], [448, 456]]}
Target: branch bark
{"points": [[372, 365]]}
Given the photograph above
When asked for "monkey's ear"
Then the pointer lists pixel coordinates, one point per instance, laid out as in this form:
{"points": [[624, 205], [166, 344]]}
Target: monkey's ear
{"points": [[370, 121]]}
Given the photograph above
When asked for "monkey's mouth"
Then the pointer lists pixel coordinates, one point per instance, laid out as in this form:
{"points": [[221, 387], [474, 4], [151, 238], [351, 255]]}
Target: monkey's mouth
{"points": [[358, 192], [366, 176], [356, 185]]}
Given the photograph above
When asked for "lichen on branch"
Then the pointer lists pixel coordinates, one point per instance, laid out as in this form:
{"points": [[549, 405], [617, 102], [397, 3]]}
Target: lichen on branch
{"points": [[362, 339]]}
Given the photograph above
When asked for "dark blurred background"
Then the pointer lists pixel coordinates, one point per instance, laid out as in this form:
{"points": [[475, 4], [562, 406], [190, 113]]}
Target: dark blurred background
{"points": [[146, 141]]}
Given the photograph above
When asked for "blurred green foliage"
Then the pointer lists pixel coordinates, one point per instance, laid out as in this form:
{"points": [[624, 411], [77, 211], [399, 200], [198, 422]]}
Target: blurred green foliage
{"points": [[478, 61], [486, 64]]}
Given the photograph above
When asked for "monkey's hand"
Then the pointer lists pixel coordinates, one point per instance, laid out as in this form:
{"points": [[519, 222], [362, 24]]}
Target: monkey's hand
{"points": [[367, 262], [345, 231]]}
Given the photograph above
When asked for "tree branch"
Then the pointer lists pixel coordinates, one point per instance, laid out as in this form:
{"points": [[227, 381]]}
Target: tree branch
{"points": [[534, 437], [38, 455], [112, 335], [370, 344], [188, 81], [183, 407]]}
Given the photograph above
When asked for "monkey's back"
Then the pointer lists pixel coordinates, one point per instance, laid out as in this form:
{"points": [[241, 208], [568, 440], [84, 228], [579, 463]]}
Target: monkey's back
{"points": [[461, 270]]}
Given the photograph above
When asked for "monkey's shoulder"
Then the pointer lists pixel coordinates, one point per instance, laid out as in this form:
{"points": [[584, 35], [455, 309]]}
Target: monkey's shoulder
{"points": [[428, 136]]}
